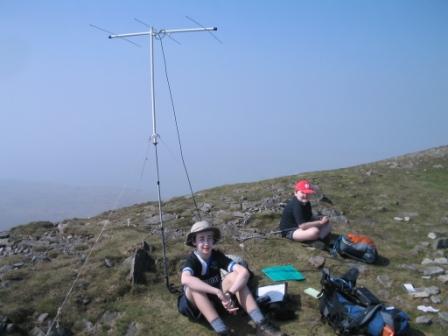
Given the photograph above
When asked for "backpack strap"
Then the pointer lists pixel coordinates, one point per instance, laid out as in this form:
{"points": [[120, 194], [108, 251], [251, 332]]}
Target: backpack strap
{"points": [[388, 319], [356, 324]]}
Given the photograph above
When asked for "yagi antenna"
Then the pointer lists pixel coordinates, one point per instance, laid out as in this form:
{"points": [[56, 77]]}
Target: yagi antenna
{"points": [[154, 33], [110, 33], [148, 26], [194, 21]]}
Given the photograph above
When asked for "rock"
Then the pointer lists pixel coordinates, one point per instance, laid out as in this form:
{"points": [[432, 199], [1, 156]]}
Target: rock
{"points": [[4, 234], [433, 290], [42, 317], [424, 319], [108, 263], [443, 278], [384, 280], [109, 318], [441, 261], [133, 329], [317, 261], [443, 316], [36, 332], [440, 243], [427, 261], [436, 299], [156, 219], [142, 262], [206, 207], [432, 235], [433, 270], [420, 294]]}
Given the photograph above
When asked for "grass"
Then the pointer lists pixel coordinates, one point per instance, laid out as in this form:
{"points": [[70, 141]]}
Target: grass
{"points": [[370, 196]]}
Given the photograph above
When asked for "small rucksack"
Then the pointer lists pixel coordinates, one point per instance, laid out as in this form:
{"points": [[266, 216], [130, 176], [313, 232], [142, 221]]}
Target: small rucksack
{"points": [[356, 310], [356, 246]]}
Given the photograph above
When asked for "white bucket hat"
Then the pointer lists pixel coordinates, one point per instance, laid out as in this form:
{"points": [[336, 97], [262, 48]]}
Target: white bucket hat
{"points": [[201, 227]]}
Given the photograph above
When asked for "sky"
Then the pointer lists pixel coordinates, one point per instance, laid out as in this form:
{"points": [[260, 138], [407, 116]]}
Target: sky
{"points": [[295, 86]]}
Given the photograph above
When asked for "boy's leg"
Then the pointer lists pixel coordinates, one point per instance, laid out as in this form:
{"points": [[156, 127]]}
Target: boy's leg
{"points": [[247, 301], [207, 309], [203, 303], [311, 233], [244, 296]]}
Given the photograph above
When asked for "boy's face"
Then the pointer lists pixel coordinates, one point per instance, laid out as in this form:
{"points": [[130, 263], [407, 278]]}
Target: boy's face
{"points": [[301, 196], [204, 242]]}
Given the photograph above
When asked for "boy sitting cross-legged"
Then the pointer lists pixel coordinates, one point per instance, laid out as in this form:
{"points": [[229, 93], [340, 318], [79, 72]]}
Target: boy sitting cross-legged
{"points": [[204, 290]]}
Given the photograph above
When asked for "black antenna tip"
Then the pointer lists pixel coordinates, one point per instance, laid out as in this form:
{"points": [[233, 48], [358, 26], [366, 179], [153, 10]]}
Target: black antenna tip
{"points": [[215, 28], [110, 36]]}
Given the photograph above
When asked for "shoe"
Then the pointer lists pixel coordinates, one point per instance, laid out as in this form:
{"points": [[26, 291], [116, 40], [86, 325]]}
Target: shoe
{"points": [[266, 328]]}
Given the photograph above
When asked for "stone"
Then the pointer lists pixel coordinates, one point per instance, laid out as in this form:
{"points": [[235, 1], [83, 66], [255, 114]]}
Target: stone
{"points": [[433, 270], [206, 207], [133, 329], [443, 316], [420, 294], [384, 280], [436, 299], [142, 262], [4, 234], [156, 219], [441, 261], [440, 243], [317, 261], [433, 290], [427, 261], [36, 332], [108, 263], [424, 319], [42, 317], [443, 278], [432, 235]]}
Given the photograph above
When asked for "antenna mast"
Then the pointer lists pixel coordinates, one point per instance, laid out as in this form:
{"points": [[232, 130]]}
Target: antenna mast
{"points": [[152, 33]]}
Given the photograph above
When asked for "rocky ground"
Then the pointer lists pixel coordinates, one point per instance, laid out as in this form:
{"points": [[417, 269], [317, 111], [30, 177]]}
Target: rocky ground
{"points": [[401, 203]]}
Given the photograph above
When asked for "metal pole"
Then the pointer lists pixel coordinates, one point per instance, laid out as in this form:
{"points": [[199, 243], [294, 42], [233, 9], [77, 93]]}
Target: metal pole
{"points": [[154, 139]]}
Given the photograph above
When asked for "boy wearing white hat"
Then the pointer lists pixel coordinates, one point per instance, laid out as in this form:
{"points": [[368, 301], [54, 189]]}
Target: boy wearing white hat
{"points": [[205, 291]]}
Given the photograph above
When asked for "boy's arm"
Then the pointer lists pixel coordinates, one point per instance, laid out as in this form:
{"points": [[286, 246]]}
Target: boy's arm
{"points": [[317, 223], [187, 279]]}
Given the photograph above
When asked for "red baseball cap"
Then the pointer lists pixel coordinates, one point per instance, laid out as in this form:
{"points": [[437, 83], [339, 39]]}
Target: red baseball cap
{"points": [[304, 186]]}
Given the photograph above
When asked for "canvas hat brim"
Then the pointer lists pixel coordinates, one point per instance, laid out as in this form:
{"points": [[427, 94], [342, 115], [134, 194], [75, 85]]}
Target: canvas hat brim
{"points": [[201, 227]]}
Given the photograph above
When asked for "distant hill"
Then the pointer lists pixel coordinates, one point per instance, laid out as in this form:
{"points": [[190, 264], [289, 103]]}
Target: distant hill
{"points": [[22, 202], [401, 203]]}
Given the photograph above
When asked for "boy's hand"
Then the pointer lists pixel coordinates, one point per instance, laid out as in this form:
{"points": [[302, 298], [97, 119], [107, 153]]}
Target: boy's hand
{"points": [[324, 220], [228, 304]]}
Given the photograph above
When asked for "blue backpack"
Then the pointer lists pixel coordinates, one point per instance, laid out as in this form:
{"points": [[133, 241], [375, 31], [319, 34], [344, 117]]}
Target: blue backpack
{"points": [[356, 246], [355, 310]]}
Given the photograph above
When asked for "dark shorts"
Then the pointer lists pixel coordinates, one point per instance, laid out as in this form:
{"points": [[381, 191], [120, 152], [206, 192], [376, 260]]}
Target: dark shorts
{"points": [[188, 309]]}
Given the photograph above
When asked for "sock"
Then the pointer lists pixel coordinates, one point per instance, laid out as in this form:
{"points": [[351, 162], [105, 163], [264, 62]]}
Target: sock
{"points": [[256, 315], [218, 325]]}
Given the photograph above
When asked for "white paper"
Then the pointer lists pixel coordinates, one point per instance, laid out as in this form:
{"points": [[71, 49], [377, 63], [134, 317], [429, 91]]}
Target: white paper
{"points": [[409, 287], [275, 292]]}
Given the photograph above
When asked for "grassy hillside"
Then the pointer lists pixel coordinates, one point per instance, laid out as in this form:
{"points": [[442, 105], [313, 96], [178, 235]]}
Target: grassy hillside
{"points": [[45, 258]]}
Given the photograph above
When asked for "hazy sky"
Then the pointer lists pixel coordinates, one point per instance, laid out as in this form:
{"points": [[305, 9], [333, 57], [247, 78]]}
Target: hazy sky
{"points": [[295, 86]]}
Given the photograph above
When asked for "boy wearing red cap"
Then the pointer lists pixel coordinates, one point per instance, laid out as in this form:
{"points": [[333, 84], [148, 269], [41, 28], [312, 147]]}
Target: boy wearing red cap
{"points": [[298, 222]]}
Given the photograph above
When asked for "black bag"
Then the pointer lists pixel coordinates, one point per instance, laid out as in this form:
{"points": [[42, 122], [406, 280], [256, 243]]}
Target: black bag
{"points": [[356, 310]]}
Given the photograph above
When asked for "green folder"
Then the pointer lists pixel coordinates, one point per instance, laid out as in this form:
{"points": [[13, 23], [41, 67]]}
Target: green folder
{"points": [[283, 273]]}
